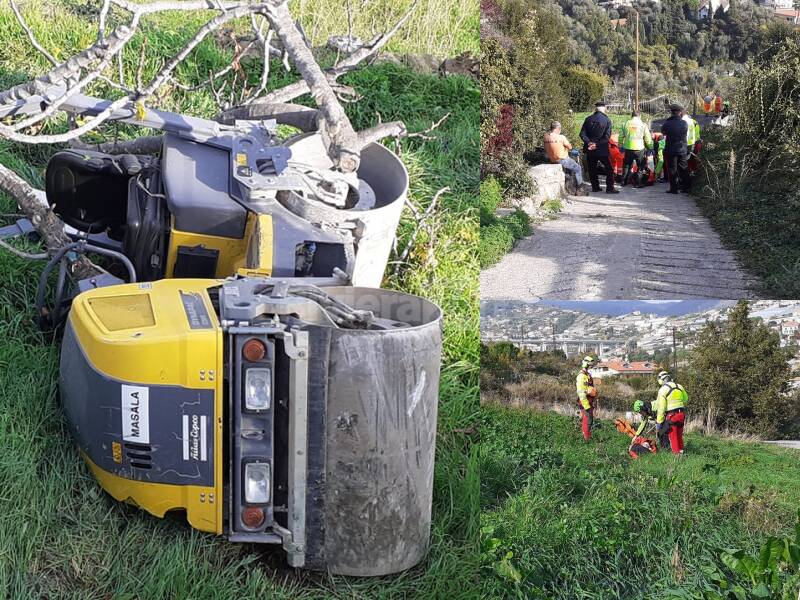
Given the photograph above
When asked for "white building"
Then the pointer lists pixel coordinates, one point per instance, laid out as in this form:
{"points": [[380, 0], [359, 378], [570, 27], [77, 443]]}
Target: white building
{"points": [[789, 328], [777, 4], [709, 7]]}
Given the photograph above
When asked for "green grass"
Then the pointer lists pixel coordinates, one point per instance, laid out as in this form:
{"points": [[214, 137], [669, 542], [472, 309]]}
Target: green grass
{"points": [[756, 215], [441, 28], [498, 233], [61, 536], [565, 519]]}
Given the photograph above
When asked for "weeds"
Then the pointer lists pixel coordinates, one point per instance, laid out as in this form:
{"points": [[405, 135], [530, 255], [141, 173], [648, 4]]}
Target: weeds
{"points": [[498, 233], [60, 535], [564, 519]]}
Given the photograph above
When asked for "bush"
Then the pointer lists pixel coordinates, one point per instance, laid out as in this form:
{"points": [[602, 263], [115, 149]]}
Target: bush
{"points": [[491, 196], [498, 237], [511, 171], [583, 87], [518, 223], [496, 240]]}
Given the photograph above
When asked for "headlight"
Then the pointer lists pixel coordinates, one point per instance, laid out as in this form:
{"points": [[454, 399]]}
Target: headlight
{"points": [[258, 389], [256, 483]]}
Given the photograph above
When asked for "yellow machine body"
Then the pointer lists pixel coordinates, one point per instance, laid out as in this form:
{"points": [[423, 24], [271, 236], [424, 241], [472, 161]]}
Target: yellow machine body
{"points": [[252, 254], [163, 337]]}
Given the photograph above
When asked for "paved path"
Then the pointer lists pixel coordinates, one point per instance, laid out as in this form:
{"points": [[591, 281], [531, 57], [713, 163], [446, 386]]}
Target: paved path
{"points": [[639, 244], [787, 443]]}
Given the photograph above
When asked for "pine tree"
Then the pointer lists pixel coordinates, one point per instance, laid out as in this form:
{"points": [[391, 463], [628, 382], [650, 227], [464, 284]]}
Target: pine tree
{"points": [[739, 372]]}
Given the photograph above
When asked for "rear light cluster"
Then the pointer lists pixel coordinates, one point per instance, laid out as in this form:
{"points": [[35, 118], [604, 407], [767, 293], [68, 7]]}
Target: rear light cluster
{"points": [[256, 389]]}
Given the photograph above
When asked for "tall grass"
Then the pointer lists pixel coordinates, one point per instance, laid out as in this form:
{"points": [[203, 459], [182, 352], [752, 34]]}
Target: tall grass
{"points": [[439, 27], [562, 519], [61, 536]]}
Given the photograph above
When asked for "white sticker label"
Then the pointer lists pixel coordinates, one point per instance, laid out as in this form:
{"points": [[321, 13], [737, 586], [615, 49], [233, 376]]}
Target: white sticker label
{"points": [[195, 437], [136, 414]]}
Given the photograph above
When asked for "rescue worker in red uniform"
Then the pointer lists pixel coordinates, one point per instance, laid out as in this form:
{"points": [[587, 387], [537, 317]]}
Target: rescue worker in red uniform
{"points": [[584, 386], [670, 407]]}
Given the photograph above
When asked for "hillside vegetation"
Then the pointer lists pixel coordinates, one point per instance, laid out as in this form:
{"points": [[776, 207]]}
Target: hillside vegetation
{"points": [[562, 519], [61, 536], [737, 376], [748, 184]]}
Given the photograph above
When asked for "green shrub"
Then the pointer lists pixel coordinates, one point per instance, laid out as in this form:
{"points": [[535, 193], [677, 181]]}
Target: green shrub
{"points": [[518, 223], [491, 196], [499, 236], [496, 240], [584, 87]]}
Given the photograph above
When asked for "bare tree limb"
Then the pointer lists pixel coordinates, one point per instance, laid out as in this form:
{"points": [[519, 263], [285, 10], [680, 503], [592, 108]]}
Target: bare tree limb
{"points": [[426, 134], [302, 117], [338, 134], [420, 219], [47, 224], [395, 129], [367, 52], [31, 38], [101, 26], [71, 68]]}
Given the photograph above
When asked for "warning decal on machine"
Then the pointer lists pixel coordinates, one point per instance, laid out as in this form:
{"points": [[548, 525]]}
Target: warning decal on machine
{"points": [[136, 414]]}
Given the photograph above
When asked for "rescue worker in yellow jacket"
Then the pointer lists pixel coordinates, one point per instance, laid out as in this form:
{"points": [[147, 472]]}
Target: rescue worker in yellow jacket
{"points": [[693, 133], [634, 137], [670, 408], [584, 385], [647, 412]]}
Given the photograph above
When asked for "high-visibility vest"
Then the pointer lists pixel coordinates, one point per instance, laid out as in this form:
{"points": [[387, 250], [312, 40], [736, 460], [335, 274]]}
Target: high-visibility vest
{"points": [[691, 133], [671, 396], [582, 384], [635, 135]]}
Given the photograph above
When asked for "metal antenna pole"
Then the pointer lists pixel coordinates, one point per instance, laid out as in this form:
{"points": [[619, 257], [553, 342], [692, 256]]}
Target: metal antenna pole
{"points": [[637, 61], [674, 355]]}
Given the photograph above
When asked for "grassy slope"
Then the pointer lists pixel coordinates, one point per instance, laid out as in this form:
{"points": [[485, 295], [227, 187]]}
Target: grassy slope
{"points": [[756, 217], [61, 536], [585, 521]]}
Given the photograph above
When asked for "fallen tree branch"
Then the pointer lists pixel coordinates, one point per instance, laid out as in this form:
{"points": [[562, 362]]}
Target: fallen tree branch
{"points": [[348, 64], [394, 129], [295, 115], [49, 227], [31, 38], [338, 135], [426, 134], [420, 219]]}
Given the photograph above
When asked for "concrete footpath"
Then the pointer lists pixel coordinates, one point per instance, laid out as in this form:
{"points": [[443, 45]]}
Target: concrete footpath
{"points": [[787, 443], [639, 244]]}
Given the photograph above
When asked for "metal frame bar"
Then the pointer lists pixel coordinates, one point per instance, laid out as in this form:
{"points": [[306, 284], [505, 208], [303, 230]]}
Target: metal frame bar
{"points": [[296, 345]]}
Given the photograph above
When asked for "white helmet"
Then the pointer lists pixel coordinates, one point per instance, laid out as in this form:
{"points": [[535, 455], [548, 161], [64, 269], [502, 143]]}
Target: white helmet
{"points": [[664, 377], [588, 361]]}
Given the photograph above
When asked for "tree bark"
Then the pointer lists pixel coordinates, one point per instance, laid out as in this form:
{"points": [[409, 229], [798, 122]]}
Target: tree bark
{"points": [[341, 140], [47, 224]]}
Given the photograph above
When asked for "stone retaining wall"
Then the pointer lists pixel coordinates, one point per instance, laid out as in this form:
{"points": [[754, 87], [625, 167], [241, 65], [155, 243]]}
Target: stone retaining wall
{"points": [[549, 183]]}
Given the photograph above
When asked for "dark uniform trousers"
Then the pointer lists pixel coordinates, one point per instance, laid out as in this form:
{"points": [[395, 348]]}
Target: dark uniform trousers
{"points": [[678, 171], [592, 159]]}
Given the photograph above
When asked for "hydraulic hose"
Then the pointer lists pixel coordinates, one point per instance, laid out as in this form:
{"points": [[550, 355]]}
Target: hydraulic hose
{"points": [[80, 247]]}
